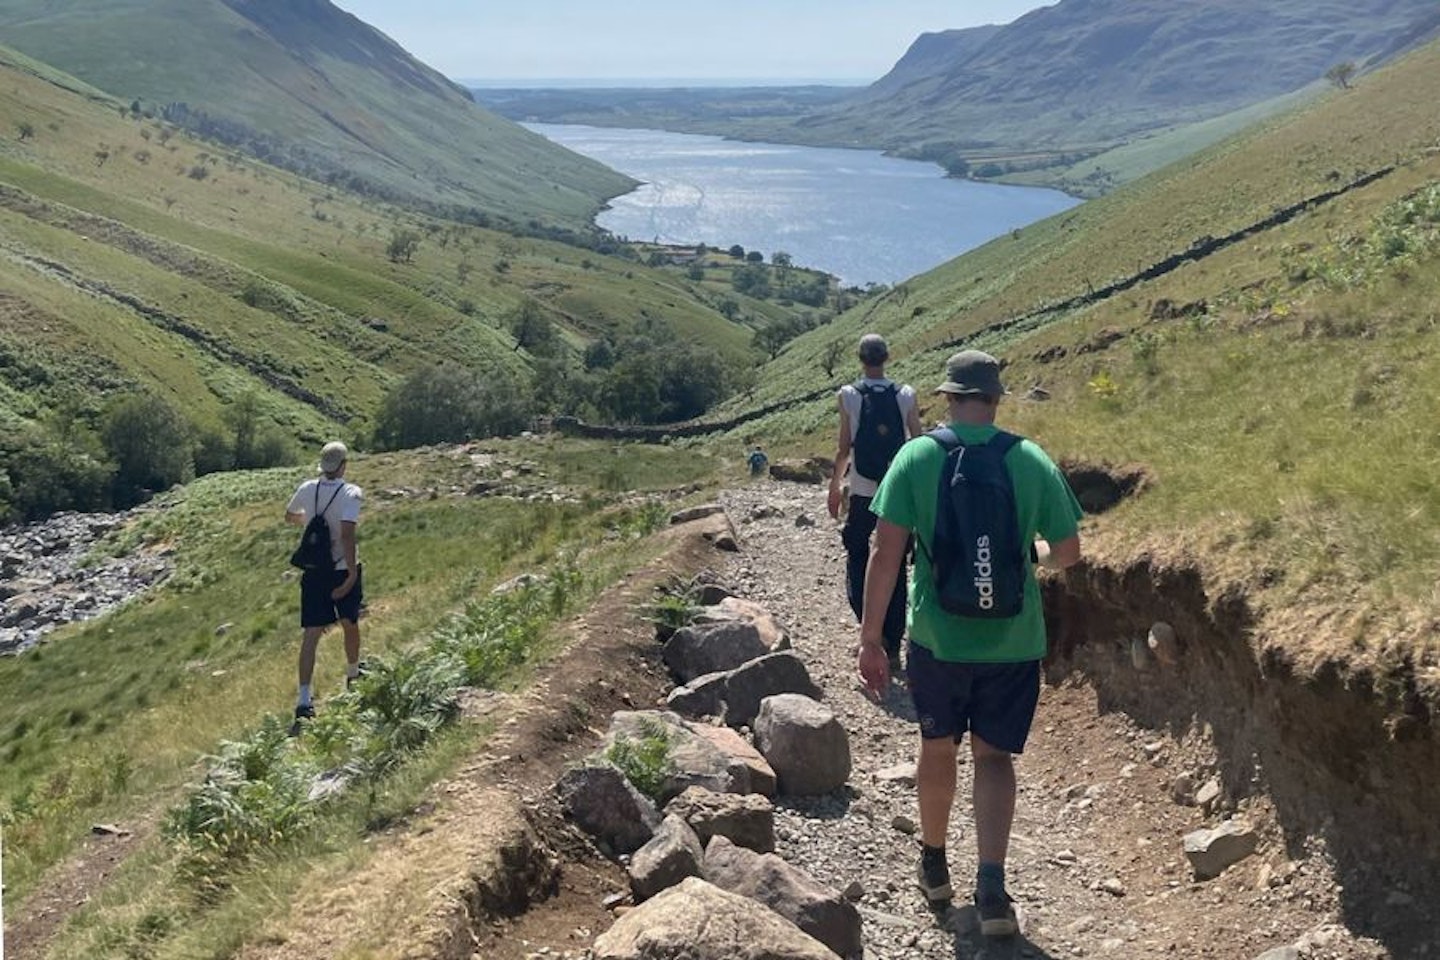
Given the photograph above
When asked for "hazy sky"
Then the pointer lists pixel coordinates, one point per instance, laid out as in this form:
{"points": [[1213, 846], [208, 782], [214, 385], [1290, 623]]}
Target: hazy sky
{"points": [[781, 39]]}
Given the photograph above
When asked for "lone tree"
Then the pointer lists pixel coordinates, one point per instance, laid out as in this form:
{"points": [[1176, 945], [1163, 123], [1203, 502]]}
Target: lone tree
{"points": [[1341, 74], [402, 246], [830, 359], [534, 331], [24, 130]]}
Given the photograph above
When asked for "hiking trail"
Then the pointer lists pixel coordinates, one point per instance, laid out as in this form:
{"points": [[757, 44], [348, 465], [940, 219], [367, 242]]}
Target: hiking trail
{"points": [[1096, 862]]}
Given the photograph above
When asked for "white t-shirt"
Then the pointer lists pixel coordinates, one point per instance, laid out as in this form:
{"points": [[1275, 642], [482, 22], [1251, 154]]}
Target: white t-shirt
{"points": [[345, 508], [850, 401]]}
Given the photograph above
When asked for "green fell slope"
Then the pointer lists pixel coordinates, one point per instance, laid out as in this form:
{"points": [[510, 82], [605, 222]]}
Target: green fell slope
{"points": [[1255, 328], [134, 257], [310, 87]]}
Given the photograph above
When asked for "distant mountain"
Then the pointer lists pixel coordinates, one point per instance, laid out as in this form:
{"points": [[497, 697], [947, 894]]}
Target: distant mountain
{"points": [[1088, 72], [932, 55], [311, 87], [1043, 99]]}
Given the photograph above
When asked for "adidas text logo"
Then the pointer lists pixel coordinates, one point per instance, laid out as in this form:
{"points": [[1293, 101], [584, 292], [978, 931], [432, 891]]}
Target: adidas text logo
{"points": [[984, 574]]}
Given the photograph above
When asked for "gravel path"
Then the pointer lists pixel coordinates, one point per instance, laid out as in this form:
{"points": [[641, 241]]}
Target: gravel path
{"points": [[1097, 866]]}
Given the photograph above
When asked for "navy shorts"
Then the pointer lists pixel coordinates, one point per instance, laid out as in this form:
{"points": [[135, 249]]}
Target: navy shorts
{"points": [[994, 701], [316, 607]]}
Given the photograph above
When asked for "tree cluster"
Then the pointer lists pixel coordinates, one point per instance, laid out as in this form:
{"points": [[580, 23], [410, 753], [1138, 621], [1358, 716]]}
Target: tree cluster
{"points": [[137, 446]]}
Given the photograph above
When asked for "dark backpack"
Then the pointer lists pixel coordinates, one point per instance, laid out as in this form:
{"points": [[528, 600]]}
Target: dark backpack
{"points": [[313, 553], [976, 554], [881, 431]]}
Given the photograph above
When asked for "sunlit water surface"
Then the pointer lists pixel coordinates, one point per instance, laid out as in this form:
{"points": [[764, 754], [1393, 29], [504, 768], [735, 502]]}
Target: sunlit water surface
{"points": [[857, 214]]}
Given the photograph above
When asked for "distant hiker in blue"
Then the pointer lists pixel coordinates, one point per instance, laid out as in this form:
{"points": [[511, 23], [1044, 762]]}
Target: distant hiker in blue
{"points": [[758, 462], [877, 416]]}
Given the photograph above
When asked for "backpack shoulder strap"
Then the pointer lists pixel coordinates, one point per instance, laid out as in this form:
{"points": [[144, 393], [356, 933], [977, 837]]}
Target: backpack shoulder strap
{"points": [[1003, 442], [338, 490], [946, 438]]}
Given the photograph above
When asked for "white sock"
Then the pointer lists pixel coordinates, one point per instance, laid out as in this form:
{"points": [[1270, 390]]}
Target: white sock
{"points": [[304, 700], [352, 670]]}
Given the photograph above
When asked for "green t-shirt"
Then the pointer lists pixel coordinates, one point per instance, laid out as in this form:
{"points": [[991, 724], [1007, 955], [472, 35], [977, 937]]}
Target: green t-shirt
{"points": [[1047, 507]]}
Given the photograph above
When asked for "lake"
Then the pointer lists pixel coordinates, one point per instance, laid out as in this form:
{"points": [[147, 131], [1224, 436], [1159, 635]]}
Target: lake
{"points": [[858, 214]]}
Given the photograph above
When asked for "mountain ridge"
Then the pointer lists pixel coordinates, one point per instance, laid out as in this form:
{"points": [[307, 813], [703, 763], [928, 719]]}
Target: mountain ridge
{"points": [[313, 88]]}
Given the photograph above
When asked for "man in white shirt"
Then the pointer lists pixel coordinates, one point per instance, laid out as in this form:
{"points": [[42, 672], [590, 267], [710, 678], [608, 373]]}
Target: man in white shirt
{"points": [[877, 416], [334, 594]]}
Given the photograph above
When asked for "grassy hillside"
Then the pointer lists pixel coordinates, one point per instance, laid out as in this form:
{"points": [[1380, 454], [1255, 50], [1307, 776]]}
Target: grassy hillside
{"points": [[310, 87], [134, 257], [106, 722], [1277, 390]]}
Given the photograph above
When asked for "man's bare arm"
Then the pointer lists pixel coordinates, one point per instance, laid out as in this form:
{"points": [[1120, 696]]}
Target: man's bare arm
{"points": [[1058, 556], [913, 427], [352, 567], [842, 462], [887, 553], [295, 519]]}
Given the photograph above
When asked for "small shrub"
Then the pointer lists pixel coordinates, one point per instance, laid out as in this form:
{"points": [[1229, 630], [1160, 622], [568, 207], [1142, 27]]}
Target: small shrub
{"points": [[1103, 385], [646, 760]]}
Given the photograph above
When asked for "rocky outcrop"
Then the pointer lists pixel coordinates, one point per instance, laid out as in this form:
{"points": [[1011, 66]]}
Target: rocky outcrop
{"points": [[813, 470]]}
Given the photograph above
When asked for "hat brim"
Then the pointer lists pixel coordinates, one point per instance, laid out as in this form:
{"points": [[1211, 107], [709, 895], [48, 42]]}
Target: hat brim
{"points": [[960, 390]]}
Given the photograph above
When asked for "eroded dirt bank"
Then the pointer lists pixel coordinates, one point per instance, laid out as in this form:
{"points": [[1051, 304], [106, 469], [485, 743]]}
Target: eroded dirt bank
{"points": [[1345, 756]]}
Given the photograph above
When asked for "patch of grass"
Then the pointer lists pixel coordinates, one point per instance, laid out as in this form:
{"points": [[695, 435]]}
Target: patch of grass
{"points": [[271, 808], [115, 709]]}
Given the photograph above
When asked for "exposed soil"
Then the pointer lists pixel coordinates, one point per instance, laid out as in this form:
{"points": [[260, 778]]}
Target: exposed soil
{"points": [[70, 886]]}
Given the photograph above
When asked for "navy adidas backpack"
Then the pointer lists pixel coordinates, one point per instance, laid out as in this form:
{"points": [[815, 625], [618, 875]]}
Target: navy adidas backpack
{"points": [[976, 555], [880, 433]]}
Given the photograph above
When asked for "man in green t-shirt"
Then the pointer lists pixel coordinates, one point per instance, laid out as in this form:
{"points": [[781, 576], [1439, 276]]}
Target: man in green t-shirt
{"points": [[975, 675]]}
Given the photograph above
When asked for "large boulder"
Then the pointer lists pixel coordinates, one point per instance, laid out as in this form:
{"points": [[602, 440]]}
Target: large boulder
{"points": [[694, 761], [804, 743], [673, 854], [712, 648], [1212, 852], [748, 820], [699, 921], [813, 470], [719, 531], [738, 749], [701, 697], [691, 514], [748, 611], [813, 907], [751, 683], [605, 805]]}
